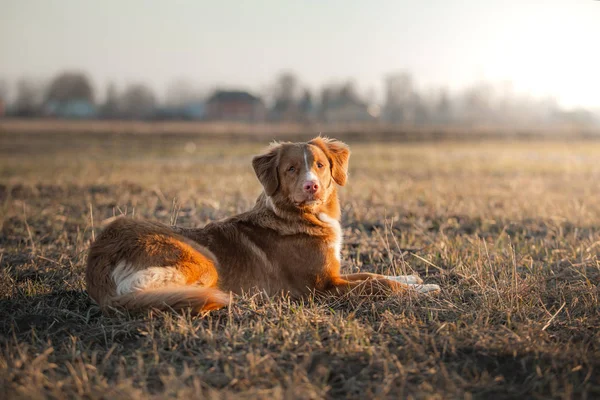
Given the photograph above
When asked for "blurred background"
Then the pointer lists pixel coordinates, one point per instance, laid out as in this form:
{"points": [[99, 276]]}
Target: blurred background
{"points": [[502, 66]]}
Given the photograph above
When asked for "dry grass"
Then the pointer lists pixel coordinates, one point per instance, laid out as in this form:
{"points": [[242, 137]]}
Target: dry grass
{"points": [[511, 231]]}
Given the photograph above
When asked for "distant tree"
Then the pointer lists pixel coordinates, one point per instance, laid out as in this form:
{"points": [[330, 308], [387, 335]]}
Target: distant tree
{"points": [[137, 101], [68, 86], [399, 95], [443, 108], [286, 94], [421, 109], [181, 92], [3, 90], [478, 103], [306, 104], [347, 92], [579, 117], [370, 95], [3, 96], [398, 88], [286, 87], [326, 99], [29, 97], [110, 108], [340, 102]]}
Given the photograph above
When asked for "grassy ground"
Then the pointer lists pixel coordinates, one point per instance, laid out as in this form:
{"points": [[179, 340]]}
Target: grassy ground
{"points": [[511, 231]]}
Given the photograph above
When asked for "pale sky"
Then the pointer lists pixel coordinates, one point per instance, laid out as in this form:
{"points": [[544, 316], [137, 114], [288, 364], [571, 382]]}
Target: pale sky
{"points": [[547, 47]]}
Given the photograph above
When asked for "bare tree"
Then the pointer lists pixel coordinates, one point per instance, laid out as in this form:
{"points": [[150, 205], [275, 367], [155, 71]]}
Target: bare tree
{"points": [[443, 107], [286, 87], [286, 97], [29, 97], [3, 96], [181, 92], [399, 95], [347, 92], [4, 90], [370, 95], [306, 105], [326, 100], [479, 103], [137, 101], [110, 108], [70, 86]]}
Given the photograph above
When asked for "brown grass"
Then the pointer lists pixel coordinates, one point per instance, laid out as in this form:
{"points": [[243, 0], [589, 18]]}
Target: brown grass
{"points": [[511, 231]]}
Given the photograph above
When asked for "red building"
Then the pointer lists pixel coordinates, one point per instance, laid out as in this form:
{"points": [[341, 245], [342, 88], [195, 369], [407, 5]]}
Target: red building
{"points": [[235, 106]]}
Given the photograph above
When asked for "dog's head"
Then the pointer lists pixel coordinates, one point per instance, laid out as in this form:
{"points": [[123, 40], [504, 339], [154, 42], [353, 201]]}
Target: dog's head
{"points": [[303, 175]]}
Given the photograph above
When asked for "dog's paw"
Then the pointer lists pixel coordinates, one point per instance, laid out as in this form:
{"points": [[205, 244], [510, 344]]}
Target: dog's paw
{"points": [[408, 279], [425, 289]]}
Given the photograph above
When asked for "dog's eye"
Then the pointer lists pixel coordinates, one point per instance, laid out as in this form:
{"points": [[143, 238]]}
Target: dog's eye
{"points": [[319, 165], [291, 169]]}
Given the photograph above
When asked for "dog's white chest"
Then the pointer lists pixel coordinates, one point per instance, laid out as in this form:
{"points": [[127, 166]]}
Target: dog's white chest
{"points": [[338, 238]]}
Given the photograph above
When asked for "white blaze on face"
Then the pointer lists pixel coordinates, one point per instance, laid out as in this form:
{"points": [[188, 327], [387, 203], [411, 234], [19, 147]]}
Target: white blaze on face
{"points": [[310, 176]]}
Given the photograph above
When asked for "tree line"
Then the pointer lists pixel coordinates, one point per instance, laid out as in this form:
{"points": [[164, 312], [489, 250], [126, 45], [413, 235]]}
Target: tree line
{"points": [[287, 99]]}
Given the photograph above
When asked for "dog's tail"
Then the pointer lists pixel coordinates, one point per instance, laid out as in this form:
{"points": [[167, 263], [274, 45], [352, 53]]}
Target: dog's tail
{"points": [[177, 298]]}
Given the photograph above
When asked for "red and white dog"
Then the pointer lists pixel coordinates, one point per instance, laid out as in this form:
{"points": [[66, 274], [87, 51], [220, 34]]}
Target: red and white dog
{"points": [[290, 242]]}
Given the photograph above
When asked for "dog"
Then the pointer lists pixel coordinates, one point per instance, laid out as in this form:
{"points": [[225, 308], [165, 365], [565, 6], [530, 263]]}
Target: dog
{"points": [[289, 242]]}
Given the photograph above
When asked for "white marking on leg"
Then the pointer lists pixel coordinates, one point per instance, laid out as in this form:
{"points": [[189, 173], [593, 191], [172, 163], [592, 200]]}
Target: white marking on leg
{"points": [[409, 279], [338, 234], [129, 279], [429, 288]]}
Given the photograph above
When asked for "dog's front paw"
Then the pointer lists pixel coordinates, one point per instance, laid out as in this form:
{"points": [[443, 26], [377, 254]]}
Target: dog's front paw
{"points": [[425, 289], [408, 279]]}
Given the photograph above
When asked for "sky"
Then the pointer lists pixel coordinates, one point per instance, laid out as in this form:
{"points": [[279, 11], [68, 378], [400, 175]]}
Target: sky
{"points": [[546, 48]]}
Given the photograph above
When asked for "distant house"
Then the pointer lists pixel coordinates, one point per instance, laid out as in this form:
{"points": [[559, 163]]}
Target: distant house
{"points": [[71, 109], [167, 113], [192, 111], [344, 110], [235, 106]]}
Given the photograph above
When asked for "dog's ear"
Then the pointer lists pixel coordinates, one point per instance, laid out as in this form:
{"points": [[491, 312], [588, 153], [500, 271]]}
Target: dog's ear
{"points": [[265, 167], [338, 154]]}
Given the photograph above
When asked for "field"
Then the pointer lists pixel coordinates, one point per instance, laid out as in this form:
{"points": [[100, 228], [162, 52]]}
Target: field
{"points": [[509, 229]]}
